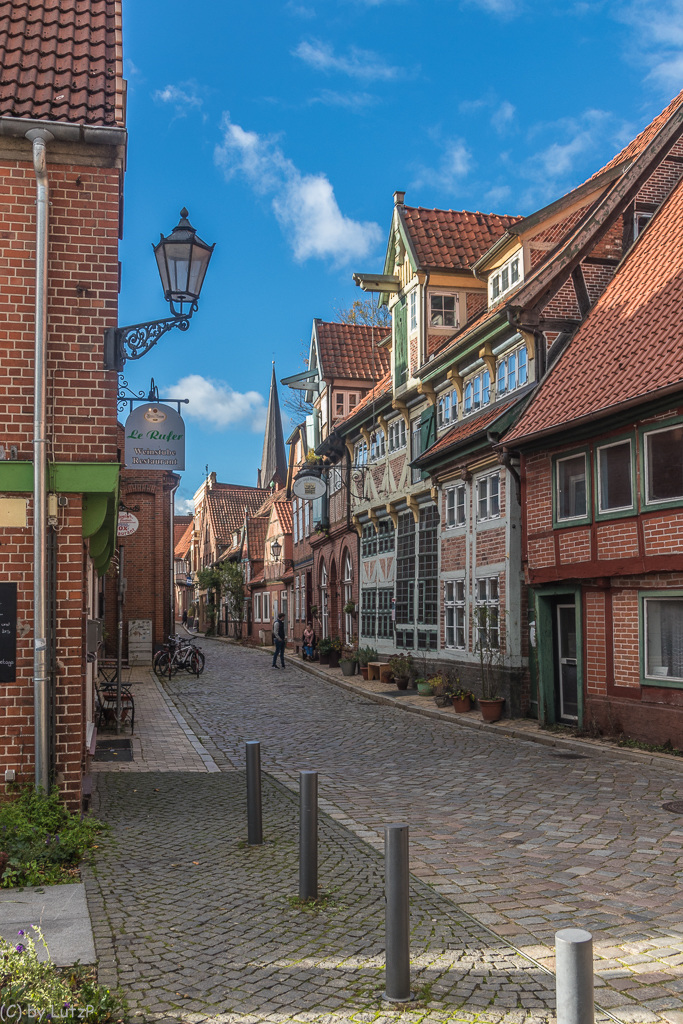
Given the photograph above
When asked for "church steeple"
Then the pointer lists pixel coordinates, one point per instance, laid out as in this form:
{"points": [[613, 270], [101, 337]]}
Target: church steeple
{"points": [[274, 461]]}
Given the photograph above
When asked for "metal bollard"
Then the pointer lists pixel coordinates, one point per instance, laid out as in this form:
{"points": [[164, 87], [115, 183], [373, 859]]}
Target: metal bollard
{"points": [[308, 835], [574, 976], [397, 914], [254, 816]]}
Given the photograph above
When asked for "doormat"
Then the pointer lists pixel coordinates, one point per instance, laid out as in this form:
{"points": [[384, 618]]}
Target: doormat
{"points": [[119, 749]]}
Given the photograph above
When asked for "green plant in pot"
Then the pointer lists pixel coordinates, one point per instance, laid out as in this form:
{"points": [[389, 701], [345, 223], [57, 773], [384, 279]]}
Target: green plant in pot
{"points": [[428, 687], [462, 700], [335, 651], [402, 668], [350, 608], [490, 658], [325, 649], [442, 689], [348, 660], [365, 655]]}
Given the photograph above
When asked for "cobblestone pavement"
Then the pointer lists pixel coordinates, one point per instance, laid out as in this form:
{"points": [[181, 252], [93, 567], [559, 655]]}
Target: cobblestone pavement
{"points": [[509, 842]]}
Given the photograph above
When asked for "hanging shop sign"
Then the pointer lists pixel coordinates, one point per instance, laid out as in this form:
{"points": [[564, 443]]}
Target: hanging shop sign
{"points": [[128, 524], [155, 438], [309, 483], [8, 632]]}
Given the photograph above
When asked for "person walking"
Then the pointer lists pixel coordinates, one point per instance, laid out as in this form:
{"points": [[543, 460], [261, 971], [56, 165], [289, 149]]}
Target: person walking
{"points": [[279, 639], [184, 616]]}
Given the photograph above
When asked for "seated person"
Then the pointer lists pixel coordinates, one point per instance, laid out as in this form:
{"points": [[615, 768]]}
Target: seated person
{"points": [[309, 642]]}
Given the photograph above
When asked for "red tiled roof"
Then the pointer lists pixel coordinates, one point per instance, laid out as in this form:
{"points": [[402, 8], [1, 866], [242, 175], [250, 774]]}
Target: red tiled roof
{"points": [[272, 498], [641, 141], [257, 528], [226, 505], [467, 428], [61, 60], [180, 525], [452, 238], [284, 514], [182, 545], [380, 390], [630, 347], [350, 351]]}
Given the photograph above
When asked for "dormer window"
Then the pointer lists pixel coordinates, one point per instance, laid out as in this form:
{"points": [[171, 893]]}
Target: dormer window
{"points": [[477, 392], [506, 277], [512, 370], [443, 310]]}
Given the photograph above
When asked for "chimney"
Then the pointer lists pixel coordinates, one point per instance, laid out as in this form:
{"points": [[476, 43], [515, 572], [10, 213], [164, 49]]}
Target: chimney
{"points": [[398, 198]]}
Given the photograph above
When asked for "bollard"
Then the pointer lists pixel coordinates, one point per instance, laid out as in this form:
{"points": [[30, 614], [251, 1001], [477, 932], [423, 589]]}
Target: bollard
{"points": [[574, 976], [397, 914], [254, 818], [308, 835]]}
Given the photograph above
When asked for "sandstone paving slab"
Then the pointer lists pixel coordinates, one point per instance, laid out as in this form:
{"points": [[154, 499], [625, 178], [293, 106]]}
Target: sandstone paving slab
{"points": [[511, 821], [201, 924]]}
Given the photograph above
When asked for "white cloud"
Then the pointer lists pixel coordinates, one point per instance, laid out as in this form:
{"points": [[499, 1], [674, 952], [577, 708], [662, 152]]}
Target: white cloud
{"points": [[657, 41], [216, 404], [357, 63], [182, 97], [503, 116], [454, 165], [497, 197], [506, 8], [349, 100], [184, 507], [304, 204], [582, 136]]}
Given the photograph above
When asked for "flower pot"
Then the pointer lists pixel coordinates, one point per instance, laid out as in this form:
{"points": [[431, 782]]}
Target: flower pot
{"points": [[401, 682], [348, 667], [334, 659], [491, 710], [442, 701], [461, 705], [325, 659], [425, 689], [364, 671], [385, 676]]}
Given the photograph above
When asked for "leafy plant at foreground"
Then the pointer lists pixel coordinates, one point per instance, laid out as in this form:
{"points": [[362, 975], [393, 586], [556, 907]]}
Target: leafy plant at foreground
{"points": [[34, 991], [42, 841]]}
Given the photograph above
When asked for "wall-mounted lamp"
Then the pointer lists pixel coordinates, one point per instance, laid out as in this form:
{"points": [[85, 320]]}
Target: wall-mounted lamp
{"points": [[276, 550], [182, 259]]}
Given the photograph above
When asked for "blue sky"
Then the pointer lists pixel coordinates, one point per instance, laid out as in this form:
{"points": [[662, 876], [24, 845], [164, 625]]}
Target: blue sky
{"points": [[286, 127]]}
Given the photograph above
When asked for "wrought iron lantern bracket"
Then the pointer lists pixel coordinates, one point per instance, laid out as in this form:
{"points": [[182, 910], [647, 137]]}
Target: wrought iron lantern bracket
{"points": [[122, 343]]}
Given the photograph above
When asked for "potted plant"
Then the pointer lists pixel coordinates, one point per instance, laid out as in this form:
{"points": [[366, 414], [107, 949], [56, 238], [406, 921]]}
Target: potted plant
{"points": [[348, 660], [442, 691], [490, 656], [335, 651], [366, 654], [430, 686], [401, 666], [462, 700], [314, 611], [423, 686], [324, 649], [350, 608]]}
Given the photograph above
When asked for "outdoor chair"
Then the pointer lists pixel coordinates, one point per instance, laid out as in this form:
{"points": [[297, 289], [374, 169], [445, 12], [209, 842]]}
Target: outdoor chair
{"points": [[105, 701]]}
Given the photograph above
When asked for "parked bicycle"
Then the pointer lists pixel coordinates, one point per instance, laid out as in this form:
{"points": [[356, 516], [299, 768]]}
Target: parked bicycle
{"points": [[179, 653]]}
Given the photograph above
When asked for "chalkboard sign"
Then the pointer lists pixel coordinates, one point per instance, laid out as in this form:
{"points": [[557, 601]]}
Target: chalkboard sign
{"points": [[8, 632]]}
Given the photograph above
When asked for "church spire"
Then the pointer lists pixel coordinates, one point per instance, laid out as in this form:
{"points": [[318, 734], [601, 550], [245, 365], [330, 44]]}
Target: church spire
{"points": [[274, 461]]}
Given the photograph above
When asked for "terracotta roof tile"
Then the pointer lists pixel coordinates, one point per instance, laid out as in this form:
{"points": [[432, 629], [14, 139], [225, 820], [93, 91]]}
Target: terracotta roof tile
{"points": [[226, 505], [61, 60], [182, 544], [285, 515], [350, 351], [257, 528], [180, 525], [452, 238], [631, 344], [467, 428], [641, 141]]}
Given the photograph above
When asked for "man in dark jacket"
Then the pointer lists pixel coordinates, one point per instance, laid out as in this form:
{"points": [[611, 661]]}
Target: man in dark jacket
{"points": [[279, 639]]}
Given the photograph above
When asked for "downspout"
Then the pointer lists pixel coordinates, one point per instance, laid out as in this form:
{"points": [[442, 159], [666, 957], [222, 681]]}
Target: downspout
{"points": [[39, 138]]}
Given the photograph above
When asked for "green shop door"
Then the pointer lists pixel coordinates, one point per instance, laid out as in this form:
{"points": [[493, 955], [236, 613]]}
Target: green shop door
{"points": [[566, 673], [559, 655]]}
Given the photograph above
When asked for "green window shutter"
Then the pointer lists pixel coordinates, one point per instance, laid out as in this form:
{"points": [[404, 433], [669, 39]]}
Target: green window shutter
{"points": [[427, 432], [400, 342]]}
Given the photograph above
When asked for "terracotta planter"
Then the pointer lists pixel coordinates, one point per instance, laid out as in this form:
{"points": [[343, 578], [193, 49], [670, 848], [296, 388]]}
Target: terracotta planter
{"points": [[461, 706], [491, 710], [348, 667], [364, 671], [385, 676], [401, 682]]}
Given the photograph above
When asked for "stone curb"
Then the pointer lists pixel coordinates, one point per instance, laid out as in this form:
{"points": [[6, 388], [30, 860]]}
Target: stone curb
{"points": [[582, 746]]}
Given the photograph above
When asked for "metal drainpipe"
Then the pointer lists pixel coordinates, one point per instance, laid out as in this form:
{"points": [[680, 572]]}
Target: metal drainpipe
{"points": [[39, 138]]}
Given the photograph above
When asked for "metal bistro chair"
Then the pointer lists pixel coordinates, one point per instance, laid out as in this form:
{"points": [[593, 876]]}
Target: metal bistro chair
{"points": [[105, 698]]}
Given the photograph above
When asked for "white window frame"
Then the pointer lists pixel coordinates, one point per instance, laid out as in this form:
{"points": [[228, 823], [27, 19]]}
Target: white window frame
{"points": [[503, 370], [558, 496], [335, 479], [444, 409], [456, 512], [648, 600], [455, 613], [487, 595], [646, 448], [456, 310], [478, 383], [297, 608], [377, 445], [503, 279], [360, 454], [397, 434], [307, 518], [413, 310], [265, 596], [491, 497], [601, 448], [257, 607]]}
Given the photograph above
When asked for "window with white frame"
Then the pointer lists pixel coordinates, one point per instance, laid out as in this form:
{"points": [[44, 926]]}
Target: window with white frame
{"points": [[397, 434], [512, 371], [295, 527], [347, 584], [488, 611], [641, 219], [297, 607], [456, 507], [385, 536], [443, 310], [339, 404], [572, 501], [307, 518], [360, 453], [368, 611], [663, 638], [324, 604], [506, 277], [488, 497], [368, 544], [266, 607], [413, 310], [615, 477], [455, 614], [664, 464], [377, 445], [257, 607], [477, 392], [335, 479], [300, 519], [444, 410]]}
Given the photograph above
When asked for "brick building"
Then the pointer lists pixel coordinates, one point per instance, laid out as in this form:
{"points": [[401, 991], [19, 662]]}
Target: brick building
{"points": [[61, 211], [183, 527], [603, 497]]}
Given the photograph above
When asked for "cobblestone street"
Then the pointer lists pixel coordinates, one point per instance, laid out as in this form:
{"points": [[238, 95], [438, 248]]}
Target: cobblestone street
{"points": [[510, 841]]}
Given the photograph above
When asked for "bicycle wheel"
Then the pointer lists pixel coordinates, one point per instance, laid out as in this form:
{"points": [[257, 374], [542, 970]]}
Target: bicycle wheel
{"points": [[197, 663], [162, 663]]}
